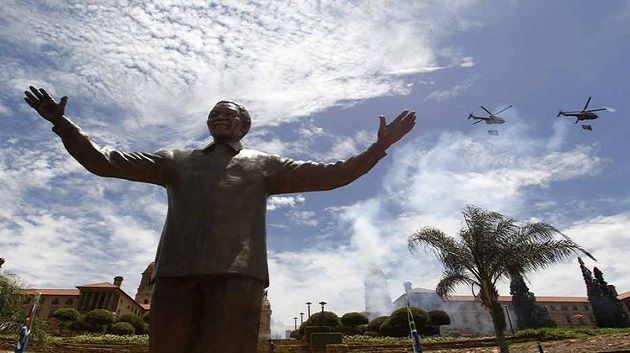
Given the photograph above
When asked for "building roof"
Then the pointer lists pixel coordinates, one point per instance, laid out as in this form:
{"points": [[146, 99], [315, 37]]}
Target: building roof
{"points": [[508, 298], [53, 291], [421, 290], [98, 285], [624, 295]]}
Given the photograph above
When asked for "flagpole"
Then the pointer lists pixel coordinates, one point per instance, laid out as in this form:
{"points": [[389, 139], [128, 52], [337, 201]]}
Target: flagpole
{"points": [[25, 330], [415, 336]]}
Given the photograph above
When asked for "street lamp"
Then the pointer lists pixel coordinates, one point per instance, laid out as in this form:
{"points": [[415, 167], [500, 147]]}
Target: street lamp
{"points": [[321, 318], [295, 323], [301, 318], [308, 304]]}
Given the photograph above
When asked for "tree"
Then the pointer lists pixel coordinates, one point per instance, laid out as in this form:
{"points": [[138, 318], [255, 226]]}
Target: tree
{"points": [[529, 314], [607, 309], [490, 246]]}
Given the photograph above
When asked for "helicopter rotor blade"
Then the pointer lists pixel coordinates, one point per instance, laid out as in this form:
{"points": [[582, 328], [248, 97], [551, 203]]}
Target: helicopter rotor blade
{"points": [[504, 109], [487, 111], [478, 121], [596, 110], [587, 102]]}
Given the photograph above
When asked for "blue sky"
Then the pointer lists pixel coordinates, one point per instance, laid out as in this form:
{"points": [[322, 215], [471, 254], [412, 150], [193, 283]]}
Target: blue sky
{"points": [[315, 77]]}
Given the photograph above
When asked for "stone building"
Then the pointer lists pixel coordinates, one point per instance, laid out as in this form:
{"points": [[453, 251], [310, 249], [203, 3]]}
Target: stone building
{"points": [[468, 316], [53, 299], [110, 296], [87, 297]]}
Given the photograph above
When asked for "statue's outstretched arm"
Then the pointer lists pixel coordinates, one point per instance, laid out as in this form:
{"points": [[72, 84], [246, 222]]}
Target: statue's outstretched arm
{"points": [[285, 175], [136, 166]]}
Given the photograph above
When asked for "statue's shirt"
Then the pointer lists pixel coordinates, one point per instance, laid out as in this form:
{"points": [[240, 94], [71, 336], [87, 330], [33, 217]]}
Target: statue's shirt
{"points": [[217, 197]]}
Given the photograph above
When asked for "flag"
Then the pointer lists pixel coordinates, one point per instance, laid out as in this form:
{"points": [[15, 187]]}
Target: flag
{"points": [[587, 127], [25, 330], [415, 336], [493, 132]]}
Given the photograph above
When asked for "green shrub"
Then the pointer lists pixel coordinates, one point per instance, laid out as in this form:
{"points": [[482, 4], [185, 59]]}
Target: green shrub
{"points": [[135, 321], [375, 324], [397, 325], [97, 320], [354, 319], [122, 328], [147, 318], [439, 317], [67, 315], [329, 319], [348, 330], [319, 340], [295, 334]]}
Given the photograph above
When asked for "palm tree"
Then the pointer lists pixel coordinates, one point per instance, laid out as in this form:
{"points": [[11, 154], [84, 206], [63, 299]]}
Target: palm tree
{"points": [[490, 247]]}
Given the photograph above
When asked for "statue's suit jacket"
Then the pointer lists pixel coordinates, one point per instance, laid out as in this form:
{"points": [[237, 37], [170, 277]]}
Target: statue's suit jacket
{"points": [[217, 197]]}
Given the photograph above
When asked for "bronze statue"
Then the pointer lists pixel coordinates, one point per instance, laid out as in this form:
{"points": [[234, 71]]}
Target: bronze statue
{"points": [[211, 262]]}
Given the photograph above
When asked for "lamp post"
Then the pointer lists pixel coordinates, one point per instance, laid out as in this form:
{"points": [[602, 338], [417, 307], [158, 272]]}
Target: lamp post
{"points": [[321, 318], [301, 318], [295, 323], [308, 304], [509, 319]]}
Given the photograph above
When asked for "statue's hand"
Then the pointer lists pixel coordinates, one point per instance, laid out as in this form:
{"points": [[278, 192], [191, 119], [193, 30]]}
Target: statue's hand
{"points": [[43, 103], [388, 134]]}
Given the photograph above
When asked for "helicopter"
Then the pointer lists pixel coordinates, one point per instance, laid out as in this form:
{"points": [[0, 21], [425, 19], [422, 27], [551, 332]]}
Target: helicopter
{"points": [[582, 115], [491, 118]]}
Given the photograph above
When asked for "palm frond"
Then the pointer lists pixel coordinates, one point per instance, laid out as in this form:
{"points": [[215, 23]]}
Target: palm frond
{"points": [[449, 281]]}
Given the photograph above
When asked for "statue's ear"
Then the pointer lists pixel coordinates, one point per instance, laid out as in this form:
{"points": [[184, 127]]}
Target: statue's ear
{"points": [[245, 125]]}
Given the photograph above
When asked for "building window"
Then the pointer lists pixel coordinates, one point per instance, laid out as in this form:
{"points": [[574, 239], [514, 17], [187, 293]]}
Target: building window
{"points": [[55, 301], [575, 308], [564, 308], [69, 302], [586, 307], [146, 301], [568, 319]]}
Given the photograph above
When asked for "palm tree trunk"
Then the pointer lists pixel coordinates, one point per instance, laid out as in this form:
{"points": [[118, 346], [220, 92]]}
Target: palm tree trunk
{"points": [[498, 321], [498, 332]]}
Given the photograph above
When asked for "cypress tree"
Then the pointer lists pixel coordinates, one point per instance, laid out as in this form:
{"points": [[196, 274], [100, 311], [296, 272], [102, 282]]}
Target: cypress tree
{"points": [[529, 314], [607, 309]]}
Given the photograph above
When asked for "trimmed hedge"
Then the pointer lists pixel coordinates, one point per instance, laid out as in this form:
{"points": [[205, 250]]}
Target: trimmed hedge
{"points": [[354, 319], [122, 328], [66, 314], [375, 324]]}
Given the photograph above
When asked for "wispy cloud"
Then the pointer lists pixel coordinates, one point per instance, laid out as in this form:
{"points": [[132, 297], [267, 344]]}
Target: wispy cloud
{"points": [[428, 183], [166, 64], [442, 95]]}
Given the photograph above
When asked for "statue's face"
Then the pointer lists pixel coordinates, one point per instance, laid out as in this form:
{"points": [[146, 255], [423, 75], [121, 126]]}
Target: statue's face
{"points": [[224, 123]]}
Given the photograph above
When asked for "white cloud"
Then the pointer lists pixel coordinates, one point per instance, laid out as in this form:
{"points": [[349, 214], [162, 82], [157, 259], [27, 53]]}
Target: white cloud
{"points": [[427, 184], [167, 63], [442, 95], [608, 239], [467, 61], [276, 202]]}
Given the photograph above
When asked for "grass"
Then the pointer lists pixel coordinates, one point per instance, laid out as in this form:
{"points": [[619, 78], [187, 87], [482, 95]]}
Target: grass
{"points": [[551, 333]]}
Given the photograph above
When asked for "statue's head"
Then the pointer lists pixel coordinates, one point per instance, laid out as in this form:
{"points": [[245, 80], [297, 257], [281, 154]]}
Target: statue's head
{"points": [[228, 121]]}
